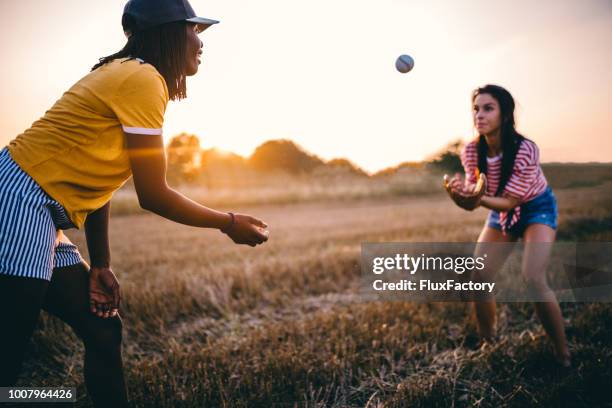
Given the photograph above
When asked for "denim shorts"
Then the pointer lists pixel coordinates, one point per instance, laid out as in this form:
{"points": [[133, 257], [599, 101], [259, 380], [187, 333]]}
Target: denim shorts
{"points": [[540, 210]]}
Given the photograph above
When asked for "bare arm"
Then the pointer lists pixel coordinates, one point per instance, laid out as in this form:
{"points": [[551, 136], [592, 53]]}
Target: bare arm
{"points": [[148, 162], [499, 203], [104, 292], [96, 232]]}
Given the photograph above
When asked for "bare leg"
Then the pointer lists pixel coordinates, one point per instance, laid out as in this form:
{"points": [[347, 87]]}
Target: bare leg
{"points": [[68, 298], [535, 261], [496, 246]]}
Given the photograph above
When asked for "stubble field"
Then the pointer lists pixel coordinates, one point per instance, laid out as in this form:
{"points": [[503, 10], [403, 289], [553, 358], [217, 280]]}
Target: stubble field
{"points": [[211, 324]]}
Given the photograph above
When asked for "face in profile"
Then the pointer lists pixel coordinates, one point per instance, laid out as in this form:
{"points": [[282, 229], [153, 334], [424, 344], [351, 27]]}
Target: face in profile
{"points": [[193, 52], [486, 114]]}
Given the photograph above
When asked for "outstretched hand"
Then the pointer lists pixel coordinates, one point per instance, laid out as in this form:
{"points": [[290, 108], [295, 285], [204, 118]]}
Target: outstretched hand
{"points": [[104, 293], [466, 198], [247, 230]]}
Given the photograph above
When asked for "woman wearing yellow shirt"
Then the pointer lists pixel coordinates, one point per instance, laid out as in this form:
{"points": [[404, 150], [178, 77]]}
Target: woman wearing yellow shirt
{"points": [[62, 172]]}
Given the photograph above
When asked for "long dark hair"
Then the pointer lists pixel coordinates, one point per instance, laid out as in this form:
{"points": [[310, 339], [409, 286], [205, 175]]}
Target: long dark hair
{"points": [[162, 46], [510, 139]]}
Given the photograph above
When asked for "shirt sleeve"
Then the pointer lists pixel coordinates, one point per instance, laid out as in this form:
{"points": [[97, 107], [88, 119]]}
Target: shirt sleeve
{"points": [[525, 170], [469, 160], [140, 103]]}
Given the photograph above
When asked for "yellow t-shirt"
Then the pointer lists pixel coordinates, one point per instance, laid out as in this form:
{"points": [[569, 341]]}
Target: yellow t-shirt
{"points": [[77, 152]]}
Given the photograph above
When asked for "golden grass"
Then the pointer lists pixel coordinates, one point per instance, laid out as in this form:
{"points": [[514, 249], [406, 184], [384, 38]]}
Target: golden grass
{"points": [[211, 324]]}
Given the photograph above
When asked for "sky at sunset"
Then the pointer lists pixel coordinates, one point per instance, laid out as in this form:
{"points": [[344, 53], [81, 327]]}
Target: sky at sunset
{"points": [[322, 72]]}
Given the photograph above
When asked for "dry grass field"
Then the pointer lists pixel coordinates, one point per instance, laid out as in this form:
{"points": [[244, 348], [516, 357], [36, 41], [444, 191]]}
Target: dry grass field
{"points": [[210, 324]]}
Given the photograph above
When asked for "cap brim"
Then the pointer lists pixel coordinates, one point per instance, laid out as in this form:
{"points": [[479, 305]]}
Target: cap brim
{"points": [[201, 21]]}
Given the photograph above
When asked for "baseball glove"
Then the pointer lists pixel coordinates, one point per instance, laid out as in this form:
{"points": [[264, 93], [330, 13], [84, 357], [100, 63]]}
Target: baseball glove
{"points": [[470, 200]]}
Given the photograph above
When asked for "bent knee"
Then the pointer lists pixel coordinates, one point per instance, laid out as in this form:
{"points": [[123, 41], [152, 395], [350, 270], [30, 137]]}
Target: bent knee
{"points": [[484, 275], [536, 284], [104, 333]]}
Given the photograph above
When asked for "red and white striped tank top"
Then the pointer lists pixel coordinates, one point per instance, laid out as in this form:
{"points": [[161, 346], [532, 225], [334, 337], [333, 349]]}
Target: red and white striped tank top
{"points": [[526, 182]]}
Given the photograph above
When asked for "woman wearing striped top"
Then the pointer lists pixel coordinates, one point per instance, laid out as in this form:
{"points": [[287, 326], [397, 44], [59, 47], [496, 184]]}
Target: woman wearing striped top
{"points": [[62, 172], [522, 206]]}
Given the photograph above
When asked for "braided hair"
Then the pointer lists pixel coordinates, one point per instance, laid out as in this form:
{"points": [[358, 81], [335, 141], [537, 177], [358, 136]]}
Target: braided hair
{"points": [[162, 46], [510, 139]]}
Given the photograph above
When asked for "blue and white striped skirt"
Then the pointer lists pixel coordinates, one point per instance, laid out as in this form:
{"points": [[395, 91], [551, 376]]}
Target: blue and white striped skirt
{"points": [[31, 241]]}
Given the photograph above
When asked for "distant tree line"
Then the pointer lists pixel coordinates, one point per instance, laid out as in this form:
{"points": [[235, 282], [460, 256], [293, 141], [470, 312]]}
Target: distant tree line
{"points": [[189, 163]]}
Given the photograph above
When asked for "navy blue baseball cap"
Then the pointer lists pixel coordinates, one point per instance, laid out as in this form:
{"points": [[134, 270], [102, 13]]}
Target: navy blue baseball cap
{"points": [[142, 14]]}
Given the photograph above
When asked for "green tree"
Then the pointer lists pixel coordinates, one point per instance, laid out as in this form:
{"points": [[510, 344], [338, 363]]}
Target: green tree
{"points": [[448, 159], [283, 155], [183, 154]]}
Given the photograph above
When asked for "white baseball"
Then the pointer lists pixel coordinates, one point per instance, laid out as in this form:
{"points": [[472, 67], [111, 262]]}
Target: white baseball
{"points": [[404, 63]]}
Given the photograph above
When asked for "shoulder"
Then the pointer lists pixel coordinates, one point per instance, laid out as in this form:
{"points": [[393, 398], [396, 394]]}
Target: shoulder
{"points": [[528, 145], [470, 149], [472, 145], [130, 77], [136, 65], [135, 72], [123, 67], [528, 153]]}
